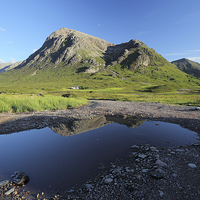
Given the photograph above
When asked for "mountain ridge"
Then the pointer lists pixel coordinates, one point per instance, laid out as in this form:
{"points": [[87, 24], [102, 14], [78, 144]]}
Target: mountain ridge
{"points": [[8, 66], [188, 66]]}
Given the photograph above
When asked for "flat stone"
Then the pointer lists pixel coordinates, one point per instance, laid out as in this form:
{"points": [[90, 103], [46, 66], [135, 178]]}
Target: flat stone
{"points": [[153, 148], [179, 150], [10, 191], [145, 170], [4, 183], [161, 163], [142, 156], [192, 165], [108, 180]]}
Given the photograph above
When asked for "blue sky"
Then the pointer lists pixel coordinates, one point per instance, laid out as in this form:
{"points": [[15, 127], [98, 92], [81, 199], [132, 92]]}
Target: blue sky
{"points": [[171, 27]]}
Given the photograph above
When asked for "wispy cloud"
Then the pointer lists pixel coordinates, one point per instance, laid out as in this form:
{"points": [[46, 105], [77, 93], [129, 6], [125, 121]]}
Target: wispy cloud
{"points": [[12, 60], [34, 50], [2, 29], [2, 61], [196, 50], [196, 59]]}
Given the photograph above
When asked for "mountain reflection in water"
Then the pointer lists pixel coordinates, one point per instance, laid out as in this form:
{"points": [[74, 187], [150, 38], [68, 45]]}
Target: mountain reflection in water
{"points": [[54, 162], [77, 126]]}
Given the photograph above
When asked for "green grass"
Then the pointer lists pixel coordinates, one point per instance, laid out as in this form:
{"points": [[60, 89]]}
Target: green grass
{"points": [[22, 103]]}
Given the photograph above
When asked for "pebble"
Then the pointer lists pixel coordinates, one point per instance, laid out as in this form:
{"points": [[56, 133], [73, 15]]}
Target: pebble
{"points": [[108, 180], [192, 165], [159, 162], [142, 156]]}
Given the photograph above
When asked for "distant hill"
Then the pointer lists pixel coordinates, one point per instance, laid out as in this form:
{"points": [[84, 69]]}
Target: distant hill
{"points": [[71, 58], [188, 66], [8, 66]]}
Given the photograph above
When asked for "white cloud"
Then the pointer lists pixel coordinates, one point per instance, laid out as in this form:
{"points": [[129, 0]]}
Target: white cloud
{"points": [[2, 61], [12, 60], [196, 59], [2, 29], [34, 50]]}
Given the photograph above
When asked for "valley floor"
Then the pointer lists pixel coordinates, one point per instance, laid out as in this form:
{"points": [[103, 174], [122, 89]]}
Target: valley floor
{"points": [[183, 115], [148, 172]]}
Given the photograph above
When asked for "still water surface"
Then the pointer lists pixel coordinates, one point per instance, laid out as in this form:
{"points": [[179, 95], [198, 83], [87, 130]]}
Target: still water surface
{"points": [[54, 162]]}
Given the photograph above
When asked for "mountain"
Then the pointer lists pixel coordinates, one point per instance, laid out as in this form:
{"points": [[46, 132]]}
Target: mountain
{"points": [[188, 66], [8, 66], [71, 58]]}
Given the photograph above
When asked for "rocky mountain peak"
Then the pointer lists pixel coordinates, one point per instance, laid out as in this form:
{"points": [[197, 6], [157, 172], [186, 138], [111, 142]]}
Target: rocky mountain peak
{"points": [[91, 54]]}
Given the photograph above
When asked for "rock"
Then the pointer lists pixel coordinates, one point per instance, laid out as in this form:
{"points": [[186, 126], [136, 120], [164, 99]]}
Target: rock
{"points": [[88, 186], [145, 170], [153, 148], [161, 163], [20, 178], [157, 174], [192, 165], [142, 156], [195, 108], [135, 146], [10, 191], [4, 183], [179, 150], [108, 180], [161, 193], [174, 175]]}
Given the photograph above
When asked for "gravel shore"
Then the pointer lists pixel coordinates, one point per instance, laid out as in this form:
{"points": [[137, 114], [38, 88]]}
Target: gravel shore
{"points": [[147, 172]]}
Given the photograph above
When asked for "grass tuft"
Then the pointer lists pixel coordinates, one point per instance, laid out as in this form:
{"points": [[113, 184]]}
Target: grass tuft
{"points": [[28, 104]]}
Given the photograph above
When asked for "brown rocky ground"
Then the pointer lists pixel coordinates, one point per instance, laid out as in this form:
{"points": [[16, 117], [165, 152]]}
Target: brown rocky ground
{"points": [[148, 172]]}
